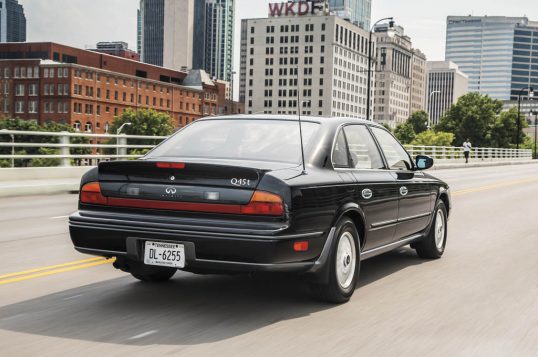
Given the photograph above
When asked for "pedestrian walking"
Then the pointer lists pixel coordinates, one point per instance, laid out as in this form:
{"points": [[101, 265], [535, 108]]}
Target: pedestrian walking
{"points": [[467, 150]]}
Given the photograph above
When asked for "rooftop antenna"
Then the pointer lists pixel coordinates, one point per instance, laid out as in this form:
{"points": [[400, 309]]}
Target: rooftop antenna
{"points": [[300, 104]]}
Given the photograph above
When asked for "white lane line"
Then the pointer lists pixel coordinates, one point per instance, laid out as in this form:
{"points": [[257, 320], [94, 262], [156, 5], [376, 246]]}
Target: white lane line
{"points": [[13, 317], [143, 334], [59, 217], [72, 297]]}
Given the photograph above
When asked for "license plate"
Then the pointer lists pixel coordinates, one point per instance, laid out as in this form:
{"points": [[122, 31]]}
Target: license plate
{"points": [[164, 254]]}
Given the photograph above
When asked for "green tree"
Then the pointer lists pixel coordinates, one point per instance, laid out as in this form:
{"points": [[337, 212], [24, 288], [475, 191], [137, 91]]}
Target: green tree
{"points": [[405, 133], [503, 133], [471, 117], [419, 121], [432, 138], [143, 122]]}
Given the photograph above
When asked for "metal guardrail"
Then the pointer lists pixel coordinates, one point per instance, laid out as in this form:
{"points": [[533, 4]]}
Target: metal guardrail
{"points": [[121, 147]]}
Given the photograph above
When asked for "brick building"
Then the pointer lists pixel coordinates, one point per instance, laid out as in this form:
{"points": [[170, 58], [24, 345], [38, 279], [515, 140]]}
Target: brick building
{"points": [[53, 82]]}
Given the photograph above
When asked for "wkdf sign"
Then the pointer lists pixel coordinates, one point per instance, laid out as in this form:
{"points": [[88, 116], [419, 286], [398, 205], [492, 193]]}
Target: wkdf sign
{"points": [[299, 8]]}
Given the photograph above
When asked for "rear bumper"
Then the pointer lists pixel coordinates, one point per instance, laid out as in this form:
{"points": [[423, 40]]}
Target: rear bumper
{"points": [[206, 248]]}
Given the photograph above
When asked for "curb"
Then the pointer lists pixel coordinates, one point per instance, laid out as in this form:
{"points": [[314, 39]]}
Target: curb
{"points": [[481, 164]]}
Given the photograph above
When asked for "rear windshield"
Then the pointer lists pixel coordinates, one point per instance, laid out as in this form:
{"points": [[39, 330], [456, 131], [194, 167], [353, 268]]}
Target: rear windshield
{"points": [[239, 139]]}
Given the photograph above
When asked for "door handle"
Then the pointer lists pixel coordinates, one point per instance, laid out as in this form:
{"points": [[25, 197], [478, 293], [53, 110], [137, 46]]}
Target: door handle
{"points": [[403, 191]]}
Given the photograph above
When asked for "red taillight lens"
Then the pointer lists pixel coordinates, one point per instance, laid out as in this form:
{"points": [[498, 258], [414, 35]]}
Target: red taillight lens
{"points": [[171, 165], [264, 204], [91, 193], [300, 246]]}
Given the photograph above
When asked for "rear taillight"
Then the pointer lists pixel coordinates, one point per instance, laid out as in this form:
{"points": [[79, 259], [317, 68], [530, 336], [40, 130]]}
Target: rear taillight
{"points": [[91, 193], [261, 203], [264, 204]]}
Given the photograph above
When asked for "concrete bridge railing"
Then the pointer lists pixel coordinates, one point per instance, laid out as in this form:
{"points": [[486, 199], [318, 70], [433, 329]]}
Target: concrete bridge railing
{"points": [[105, 147]]}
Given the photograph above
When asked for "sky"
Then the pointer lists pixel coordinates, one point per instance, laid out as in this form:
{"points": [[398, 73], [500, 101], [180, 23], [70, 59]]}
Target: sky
{"points": [[83, 23]]}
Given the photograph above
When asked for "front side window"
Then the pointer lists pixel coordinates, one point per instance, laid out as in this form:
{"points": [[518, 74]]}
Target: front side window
{"points": [[362, 148], [397, 157]]}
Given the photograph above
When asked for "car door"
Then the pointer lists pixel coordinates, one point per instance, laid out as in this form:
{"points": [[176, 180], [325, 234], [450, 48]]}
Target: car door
{"points": [[414, 190], [375, 187]]}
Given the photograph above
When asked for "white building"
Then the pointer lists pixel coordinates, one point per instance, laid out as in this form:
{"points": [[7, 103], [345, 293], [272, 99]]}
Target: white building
{"points": [[301, 54], [446, 83], [400, 77]]}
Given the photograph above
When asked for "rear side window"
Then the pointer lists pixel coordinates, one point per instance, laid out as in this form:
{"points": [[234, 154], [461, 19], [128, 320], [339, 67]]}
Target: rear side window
{"points": [[397, 157], [362, 148], [239, 139], [339, 155]]}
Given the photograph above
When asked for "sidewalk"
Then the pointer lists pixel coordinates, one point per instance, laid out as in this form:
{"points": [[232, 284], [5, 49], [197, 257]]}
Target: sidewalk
{"points": [[40, 184]]}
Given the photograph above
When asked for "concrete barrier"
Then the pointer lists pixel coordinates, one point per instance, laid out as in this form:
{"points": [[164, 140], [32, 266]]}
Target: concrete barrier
{"points": [[31, 181], [54, 180]]}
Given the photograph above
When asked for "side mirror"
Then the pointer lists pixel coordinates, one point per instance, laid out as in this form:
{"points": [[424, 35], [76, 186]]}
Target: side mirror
{"points": [[423, 162]]}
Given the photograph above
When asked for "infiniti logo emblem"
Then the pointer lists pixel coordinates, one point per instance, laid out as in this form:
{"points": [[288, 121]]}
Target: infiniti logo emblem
{"points": [[170, 190]]}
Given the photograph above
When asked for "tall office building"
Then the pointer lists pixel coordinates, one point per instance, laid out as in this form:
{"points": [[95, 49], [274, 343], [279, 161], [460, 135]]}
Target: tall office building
{"points": [[167, 33], [12, 21], [188, 34], [303, 60], [445, 84], [400, 76], [495, 52], [138, 31], [213, 31]]}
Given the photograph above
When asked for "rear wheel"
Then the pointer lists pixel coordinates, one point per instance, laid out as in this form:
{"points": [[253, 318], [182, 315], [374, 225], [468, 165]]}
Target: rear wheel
{"points": [[343, 266], [432, 246], [150, 273]]}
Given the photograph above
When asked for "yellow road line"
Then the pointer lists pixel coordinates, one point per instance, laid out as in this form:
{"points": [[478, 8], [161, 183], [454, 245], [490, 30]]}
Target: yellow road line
{"points": [[50, 267], [57, 271], [493, 186]]}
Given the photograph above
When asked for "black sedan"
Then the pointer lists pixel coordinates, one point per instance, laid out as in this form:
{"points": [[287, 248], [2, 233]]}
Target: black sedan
{"points": [[238, 194]]}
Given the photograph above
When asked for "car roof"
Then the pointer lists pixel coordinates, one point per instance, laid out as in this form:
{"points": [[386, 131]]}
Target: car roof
{"points": [[336, 121]]}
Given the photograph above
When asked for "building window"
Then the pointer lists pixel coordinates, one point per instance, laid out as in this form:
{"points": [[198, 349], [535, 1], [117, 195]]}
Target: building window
{"points": [[6, 105], [19, 106], [19, 90], [32, 89]]}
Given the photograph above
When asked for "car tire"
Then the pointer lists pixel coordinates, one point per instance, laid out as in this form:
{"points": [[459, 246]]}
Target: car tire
{"points": [[343, 265], [149, 273], [432, 246]]}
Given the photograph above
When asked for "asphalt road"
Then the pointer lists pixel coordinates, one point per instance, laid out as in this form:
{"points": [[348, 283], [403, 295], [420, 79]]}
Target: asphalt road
{"points": [[480, 299]]}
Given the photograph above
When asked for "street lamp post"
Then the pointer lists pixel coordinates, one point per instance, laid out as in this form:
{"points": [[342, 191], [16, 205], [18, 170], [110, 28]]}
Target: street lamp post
{"points": [[368, 86], [118, 132], [531, 95], [430, 104]]}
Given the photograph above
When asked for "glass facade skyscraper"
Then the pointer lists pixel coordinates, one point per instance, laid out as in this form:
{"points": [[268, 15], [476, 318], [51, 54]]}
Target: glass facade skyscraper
{"points": [[12, 21], [525, 59], [213, 31], [495, 52], [356, 11]]}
